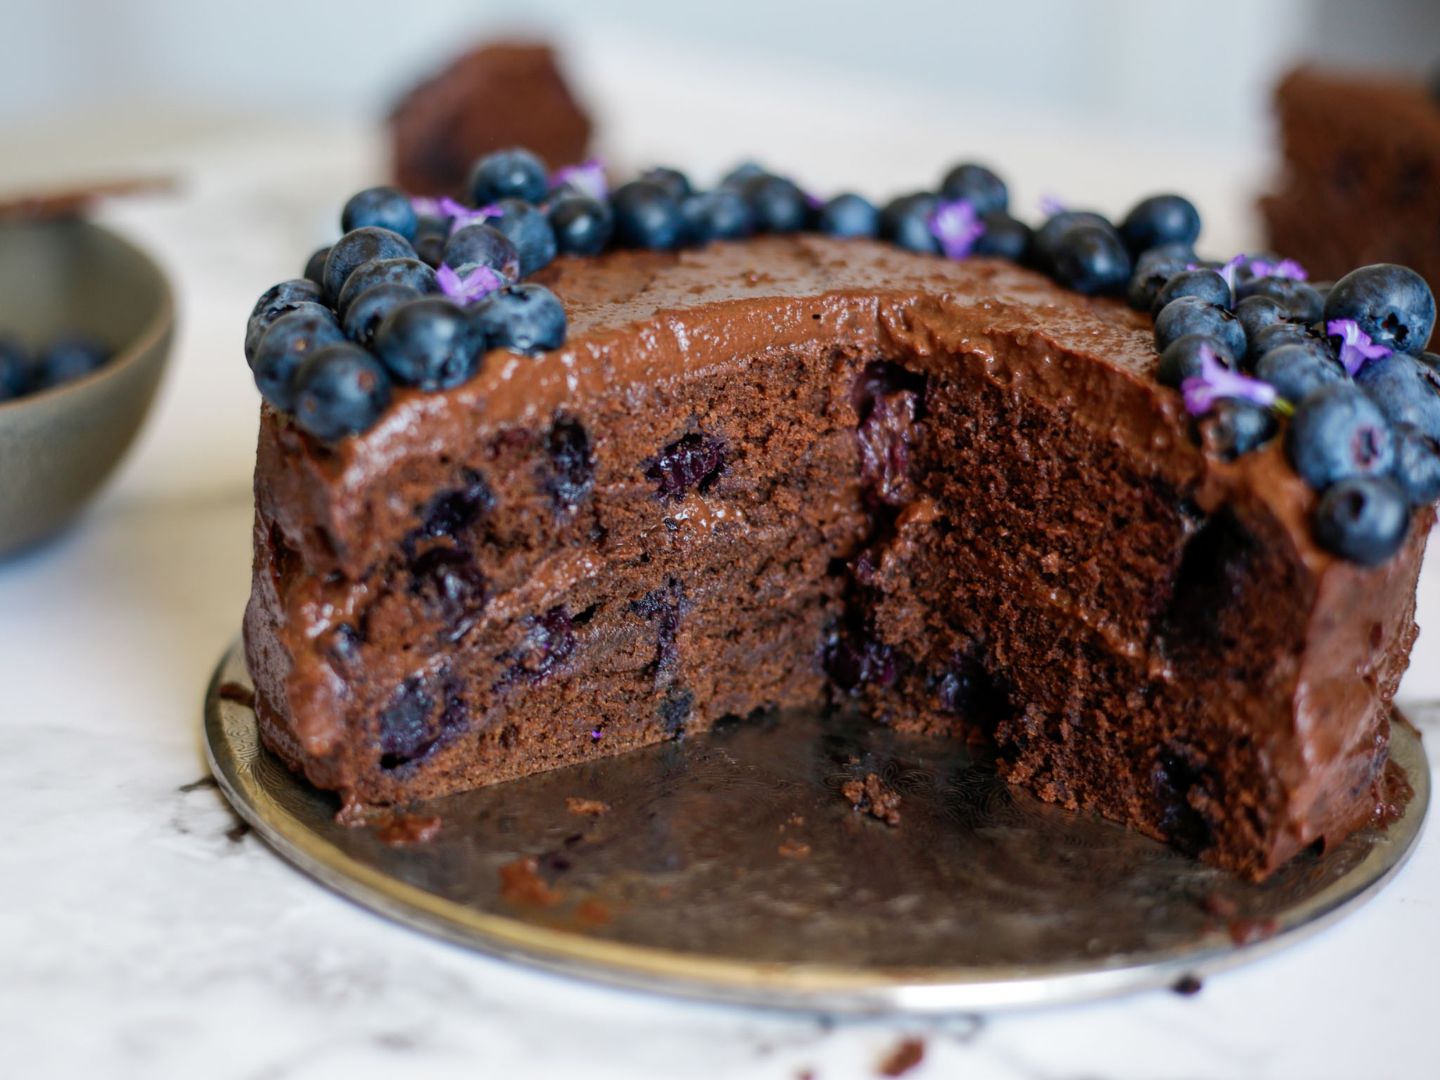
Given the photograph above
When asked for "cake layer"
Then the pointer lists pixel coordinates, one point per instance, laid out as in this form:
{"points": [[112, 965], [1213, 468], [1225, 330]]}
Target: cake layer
{"points": [[760, 473]]}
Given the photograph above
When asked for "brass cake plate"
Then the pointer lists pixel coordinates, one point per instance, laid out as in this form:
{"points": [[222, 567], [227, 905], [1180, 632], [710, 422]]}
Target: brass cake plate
{"points": [[730, 867]]}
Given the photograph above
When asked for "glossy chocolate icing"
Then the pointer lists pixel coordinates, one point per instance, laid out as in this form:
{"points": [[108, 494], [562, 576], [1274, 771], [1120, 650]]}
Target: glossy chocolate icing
{"points": [[1308, 711]]}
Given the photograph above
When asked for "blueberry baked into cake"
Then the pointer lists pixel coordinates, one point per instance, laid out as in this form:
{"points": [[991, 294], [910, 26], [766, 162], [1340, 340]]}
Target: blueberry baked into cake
{"points": [[556, 472]]}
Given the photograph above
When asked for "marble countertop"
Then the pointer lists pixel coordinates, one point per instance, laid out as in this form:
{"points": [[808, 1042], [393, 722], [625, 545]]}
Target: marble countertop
{"points": [[145, 932]]}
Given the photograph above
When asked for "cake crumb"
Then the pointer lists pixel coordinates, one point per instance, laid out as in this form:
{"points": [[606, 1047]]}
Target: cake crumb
{"points": [[1187, 985], [905, 1056], [805, 1074], [593, 912], [872, 796], [794, 849], [400, 829], [1249, 931], [586, 807], [521, 885]]}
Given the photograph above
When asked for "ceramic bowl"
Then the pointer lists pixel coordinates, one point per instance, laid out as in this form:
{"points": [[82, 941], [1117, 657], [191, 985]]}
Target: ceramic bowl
{"points": [[58, 446]]}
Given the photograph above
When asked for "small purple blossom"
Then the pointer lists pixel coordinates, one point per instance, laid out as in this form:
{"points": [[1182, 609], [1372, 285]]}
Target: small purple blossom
{"points": [[595, 734], [1050, 206], [443, 207], [1285, 268], [1216, 381], [588, 177], [475, 285], [1356, 348], [957, 227]]}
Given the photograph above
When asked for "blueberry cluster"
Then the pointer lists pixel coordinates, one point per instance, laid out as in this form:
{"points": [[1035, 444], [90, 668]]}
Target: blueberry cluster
{"points": [[23, 372], [416, 291], [1251, 343]]}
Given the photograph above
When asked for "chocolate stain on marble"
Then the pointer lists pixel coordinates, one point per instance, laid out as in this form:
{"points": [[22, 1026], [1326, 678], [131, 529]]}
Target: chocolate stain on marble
{"points": [[906, 1055]]}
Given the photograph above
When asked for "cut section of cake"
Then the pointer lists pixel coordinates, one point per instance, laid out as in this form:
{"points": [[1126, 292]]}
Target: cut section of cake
{"points": [[556, 472]]}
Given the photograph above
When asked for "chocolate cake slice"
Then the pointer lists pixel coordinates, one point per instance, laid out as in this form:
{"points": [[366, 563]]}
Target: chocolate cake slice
{"points": [[785, 469], [498, 94], [1360, 178]]}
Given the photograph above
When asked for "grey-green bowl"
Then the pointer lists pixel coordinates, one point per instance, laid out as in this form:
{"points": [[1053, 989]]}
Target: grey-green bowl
{"points": [[58, 446]]}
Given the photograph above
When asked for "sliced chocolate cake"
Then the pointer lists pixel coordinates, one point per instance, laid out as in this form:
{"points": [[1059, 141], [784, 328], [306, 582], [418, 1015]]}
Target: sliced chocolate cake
{"points": [[495, 95], [672, 478], [1360, 178]]}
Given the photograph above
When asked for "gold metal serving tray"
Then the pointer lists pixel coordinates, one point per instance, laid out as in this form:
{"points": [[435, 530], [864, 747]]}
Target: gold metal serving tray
{"points": [[732, 867]]}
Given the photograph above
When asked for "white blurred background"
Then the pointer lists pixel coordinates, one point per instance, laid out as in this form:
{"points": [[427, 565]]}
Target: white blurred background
{"points": [[81, 76]]}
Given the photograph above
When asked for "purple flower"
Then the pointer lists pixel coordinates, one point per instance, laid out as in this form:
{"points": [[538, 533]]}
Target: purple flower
{"points": [[1216, 381], [1285, 268], [1050, 206], [595, 734], [956, 226], [1356, 348], [1227, 271], [588, 177], [459, 214], [478, 283]]}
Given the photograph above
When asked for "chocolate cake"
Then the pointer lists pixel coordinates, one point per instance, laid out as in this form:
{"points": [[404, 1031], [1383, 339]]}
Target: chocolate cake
{"points": [[496, 95], [1361, 172], [747, 456]]}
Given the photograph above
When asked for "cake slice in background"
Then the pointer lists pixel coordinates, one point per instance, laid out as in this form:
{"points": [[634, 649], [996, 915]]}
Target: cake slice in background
{"points": [[499, 94], [1361, 174]]}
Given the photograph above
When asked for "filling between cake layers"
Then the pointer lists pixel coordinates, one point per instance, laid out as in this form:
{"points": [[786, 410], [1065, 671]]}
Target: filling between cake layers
{"points": [[933, 532]]}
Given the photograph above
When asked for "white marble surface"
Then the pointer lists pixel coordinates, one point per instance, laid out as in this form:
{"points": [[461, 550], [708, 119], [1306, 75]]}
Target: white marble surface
{"points": [[144, 933]]}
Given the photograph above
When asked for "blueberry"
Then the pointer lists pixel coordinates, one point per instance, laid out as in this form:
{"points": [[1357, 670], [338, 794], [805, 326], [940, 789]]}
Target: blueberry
{"points": [[1391, 303], [1206, 284], [905, 222], [1256, 313], [289, 340], [430, 249], [1004, 238], [1234, 427], [410, 272], [482, 245], [647, 216], [1300, 301], [1191, 315], [370, 309], [1150, 277], [582, 225], [429, 343], [273, 303], [359, 247], [71, 357], [529, 230], [977, 185], [17, 370], [340, 390], [1160, 219], [508, 174], [1049, 235], [722, 214], [278, 299], [1181, 359], [1090, 260], [1297, 371], [255, 332], [1362, 519], [315, 265], [382, 207], [1407, 391], [746, 170], [1337, 433], [776, 204], [1417, 466], [676, 183], [522, 318], [1288, 333], [849, 215]]}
